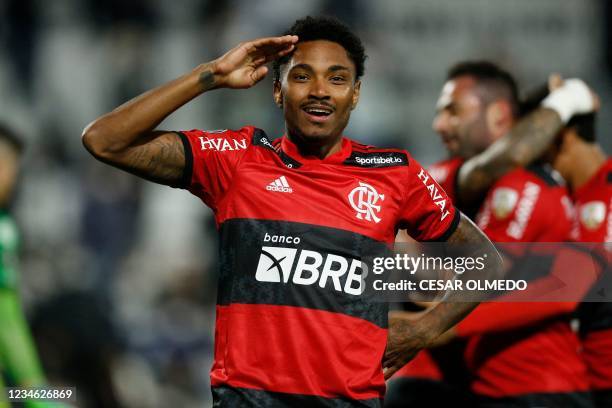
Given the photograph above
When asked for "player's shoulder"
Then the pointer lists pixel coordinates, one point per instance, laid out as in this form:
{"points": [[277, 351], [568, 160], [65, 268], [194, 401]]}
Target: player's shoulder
{"points": [[227, 140], [542, 175], [364, 155]]}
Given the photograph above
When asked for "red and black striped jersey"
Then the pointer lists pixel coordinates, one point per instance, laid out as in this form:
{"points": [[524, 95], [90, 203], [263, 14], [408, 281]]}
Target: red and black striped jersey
{"points": [[533, 350], [292, 328], [593, 223]]}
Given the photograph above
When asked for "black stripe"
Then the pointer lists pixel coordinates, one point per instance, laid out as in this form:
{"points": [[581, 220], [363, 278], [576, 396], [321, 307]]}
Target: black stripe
{"points": [[230, 397], [242, 254], [380, 159], [545, 173], [185, 181], [261, 139], [557, 399], [451, 229]]}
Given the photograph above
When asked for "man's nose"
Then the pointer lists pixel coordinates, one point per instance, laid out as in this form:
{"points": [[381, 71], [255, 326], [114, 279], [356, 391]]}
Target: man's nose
{"points": [[440, 123], [319, 89]]}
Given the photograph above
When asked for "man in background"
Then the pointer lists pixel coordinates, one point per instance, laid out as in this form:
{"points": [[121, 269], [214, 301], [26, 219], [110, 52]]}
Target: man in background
{"points": [[478, 121], [588, 171], [19, 364]]}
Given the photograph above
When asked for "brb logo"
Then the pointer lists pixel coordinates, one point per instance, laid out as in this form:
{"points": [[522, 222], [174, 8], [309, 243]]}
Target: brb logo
{"points": [[304, 267], [364, 200]]}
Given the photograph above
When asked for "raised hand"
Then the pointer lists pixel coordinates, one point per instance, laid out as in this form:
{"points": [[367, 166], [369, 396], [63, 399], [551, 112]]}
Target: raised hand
{"points": [[245, 65]]}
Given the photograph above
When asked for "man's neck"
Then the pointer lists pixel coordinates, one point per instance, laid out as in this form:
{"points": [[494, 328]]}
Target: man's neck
{"points": [[319, 149], [587, 161]]}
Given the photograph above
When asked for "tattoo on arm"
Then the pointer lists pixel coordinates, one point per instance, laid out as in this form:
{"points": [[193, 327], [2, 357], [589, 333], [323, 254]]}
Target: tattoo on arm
{"points": [[456, 304], [526, 142], [207, 80], [160, 159]]}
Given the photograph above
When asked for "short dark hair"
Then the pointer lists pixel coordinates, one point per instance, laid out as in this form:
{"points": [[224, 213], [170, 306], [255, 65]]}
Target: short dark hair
{"points": [[585, 125], [330, 29], [497, 81], [10, 136]]}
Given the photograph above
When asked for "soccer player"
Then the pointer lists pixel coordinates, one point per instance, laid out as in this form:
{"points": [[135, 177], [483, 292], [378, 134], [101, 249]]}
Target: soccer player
{"points": [[588, 172], [294, 215], [19, 364], [477, 119]]}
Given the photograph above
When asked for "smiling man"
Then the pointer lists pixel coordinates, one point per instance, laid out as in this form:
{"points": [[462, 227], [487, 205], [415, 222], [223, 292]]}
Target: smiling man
{"points": [[295, 216]]}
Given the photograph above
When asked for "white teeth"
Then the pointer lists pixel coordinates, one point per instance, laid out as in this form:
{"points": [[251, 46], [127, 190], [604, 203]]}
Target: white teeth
{"points": [[315, 110]]}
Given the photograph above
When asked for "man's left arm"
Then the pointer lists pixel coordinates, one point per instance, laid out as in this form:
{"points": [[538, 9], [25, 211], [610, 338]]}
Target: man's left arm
{"points": [[408, 336], [525, 142]]}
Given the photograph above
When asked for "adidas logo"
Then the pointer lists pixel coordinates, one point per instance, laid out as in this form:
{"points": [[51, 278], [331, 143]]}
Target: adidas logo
{"points": [[280, 185]]}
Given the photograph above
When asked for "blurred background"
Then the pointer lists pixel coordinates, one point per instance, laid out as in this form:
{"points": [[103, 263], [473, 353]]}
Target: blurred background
{"points": [[118, 275]]}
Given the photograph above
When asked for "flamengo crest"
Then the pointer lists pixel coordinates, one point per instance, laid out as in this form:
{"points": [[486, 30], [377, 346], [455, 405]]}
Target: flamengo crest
{"points": [[364, 200]]}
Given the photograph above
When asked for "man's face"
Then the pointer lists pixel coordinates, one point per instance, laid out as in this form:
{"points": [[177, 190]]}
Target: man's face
{"points": [[461, 118], [317, 91], [563, 160], [9, 168]]}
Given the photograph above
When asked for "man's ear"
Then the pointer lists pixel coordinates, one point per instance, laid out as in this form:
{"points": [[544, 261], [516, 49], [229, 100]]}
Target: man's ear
{"points": [[499, 117], [356, 94], [277, 93]]}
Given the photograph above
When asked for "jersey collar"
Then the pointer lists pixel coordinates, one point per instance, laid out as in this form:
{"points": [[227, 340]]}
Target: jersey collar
{"points": [[292, 151]]}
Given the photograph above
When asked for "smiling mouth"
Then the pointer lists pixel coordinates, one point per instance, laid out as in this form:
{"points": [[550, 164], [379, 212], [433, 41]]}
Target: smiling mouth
{"points": [[318, 113]]}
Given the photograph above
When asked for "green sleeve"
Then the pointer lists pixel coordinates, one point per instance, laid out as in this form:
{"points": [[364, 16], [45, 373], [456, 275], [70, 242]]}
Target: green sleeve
{"points": [[9, 244], [18, 355]]}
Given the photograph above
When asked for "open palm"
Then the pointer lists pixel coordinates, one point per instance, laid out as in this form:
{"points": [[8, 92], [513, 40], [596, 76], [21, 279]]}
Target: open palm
{"points": [[245, 65]]}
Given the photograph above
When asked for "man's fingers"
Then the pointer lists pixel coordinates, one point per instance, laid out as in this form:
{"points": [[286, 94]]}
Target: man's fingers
{"points": [[270, 43], [389, 371], [596, 101], [555, 81], [259, 74]]}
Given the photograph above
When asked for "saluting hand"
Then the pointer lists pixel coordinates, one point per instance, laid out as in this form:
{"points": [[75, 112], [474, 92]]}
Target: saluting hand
{"points": [[245, 65]]}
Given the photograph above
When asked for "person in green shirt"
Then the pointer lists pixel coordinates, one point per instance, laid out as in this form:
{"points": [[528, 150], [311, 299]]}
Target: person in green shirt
{"points": [[19, 363]]}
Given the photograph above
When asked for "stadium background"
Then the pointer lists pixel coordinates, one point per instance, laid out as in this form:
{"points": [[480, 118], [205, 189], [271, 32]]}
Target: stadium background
{"points": [[118, 275]]}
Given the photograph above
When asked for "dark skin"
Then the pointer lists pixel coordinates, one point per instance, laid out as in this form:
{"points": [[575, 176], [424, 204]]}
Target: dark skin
{"points": [[317, 91], [319, 76]]}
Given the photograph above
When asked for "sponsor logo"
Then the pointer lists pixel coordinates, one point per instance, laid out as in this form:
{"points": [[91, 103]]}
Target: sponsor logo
{"points": [[280, 185], [529, 197], [304, 267], [264, 141], [378, 160], [364, 199], [593, 214], [503, 201], [434, 193], [222, 144]]}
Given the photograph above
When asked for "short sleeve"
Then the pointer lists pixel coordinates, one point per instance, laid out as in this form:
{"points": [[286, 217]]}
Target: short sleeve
{"points": [[211, 159], [428, 214]]}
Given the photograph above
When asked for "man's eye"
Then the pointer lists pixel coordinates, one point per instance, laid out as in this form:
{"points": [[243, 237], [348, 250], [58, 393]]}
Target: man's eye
{"points": [[300, 77], [338, 79]]}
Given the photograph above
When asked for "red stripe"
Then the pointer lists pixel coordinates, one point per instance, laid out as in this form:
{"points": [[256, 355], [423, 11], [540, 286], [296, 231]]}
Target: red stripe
{"points": [[514, 363], [597, 350], [298, 351], [422, 366]]}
